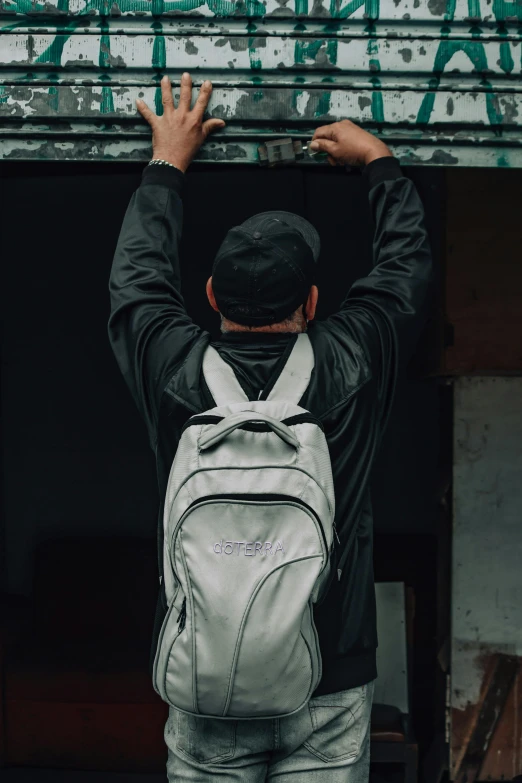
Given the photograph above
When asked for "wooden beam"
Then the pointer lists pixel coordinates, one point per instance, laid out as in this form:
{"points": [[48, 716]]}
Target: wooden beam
{"points": [[490, 711]]}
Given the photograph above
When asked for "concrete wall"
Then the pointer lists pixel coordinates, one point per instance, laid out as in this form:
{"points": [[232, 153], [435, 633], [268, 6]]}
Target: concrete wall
{"points": [[487, 555]]}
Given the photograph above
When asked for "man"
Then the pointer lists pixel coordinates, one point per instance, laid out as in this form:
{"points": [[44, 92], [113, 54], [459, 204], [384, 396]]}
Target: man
{"points": [[357, 355]]}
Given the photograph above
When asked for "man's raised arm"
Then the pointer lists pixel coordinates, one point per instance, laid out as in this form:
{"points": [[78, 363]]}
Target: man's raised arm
{"points": [[385, 311], [149, 329]]}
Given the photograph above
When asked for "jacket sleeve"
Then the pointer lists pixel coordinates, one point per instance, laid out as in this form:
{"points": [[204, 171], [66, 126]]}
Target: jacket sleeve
{"points": [[384, 313], [149, 329]]}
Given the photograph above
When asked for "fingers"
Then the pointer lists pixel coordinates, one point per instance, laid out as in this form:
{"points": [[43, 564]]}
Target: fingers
{"points": [[166, 94], [201, 104], [185, 93], [325, 132], [212, 125], [145, 112], [324, 145]]}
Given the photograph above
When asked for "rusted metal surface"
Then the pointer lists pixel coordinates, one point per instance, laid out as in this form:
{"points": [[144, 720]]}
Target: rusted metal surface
{"points": [[486, 584], [412, 69]]}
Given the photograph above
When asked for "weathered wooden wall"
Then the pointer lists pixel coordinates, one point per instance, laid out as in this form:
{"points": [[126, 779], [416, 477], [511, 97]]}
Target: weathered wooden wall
{"points": [[438, 79]]}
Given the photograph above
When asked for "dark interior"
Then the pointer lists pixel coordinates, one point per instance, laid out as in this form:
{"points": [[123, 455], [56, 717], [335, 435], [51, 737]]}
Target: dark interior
{"points": [[77, 470]]}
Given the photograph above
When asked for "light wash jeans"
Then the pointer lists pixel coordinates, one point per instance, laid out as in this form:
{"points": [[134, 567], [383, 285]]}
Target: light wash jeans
{"points": [[328, 741]]}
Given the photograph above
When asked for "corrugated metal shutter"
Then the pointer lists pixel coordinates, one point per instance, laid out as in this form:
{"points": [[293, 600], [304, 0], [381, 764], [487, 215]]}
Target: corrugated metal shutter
{"points": [[438, 79]]}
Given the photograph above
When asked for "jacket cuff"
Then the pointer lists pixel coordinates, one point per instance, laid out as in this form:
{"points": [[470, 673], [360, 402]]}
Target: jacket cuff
{"points": [[159, 174], [380, 170]]}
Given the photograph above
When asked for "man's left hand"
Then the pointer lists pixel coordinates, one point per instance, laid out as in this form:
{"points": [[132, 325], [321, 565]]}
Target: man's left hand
{"points": [[179, 133]]}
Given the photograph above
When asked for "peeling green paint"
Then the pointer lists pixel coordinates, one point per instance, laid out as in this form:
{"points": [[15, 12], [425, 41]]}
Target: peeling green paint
{"points": [[53, 54], [255, 60], [107, 101], [492, 106], [306, 50], [449, 13], [371, 8], [54, 99], [506, 60], [309, 50], [426, 108], [323, 105], [504, 9], [377, 104], [474, 50], [158, 105], [105, 50], [159, 57], [331, 50], [474, 9]]}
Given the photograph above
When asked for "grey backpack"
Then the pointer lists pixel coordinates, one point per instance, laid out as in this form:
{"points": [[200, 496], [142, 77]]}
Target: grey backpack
{"points": [[248, 531]]}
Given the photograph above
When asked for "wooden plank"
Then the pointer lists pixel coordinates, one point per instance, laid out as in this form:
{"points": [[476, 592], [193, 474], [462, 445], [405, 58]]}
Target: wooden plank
{"points": [[506, 739], [491, 709], [484, 277], [504, 756]]}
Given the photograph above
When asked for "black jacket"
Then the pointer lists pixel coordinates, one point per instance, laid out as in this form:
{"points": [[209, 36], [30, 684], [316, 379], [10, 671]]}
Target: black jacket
{"points": [[357, 352]]}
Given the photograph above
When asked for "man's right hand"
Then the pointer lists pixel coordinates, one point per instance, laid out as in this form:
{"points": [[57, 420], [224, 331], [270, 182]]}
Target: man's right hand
{"points": [[179, 132], [347, 143]]}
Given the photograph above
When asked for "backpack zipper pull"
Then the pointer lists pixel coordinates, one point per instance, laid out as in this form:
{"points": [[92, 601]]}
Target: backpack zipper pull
{"points": [[182, 616]]}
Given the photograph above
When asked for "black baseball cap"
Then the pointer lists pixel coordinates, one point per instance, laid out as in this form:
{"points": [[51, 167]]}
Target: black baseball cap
{"points": [[265, 267]]}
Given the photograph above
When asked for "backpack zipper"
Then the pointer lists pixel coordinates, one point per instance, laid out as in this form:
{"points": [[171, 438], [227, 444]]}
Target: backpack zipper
{"points": [[260, 497], [182, 616]]}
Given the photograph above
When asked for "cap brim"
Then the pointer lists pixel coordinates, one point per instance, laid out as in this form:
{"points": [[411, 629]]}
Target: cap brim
{"points": [[300, 224]]}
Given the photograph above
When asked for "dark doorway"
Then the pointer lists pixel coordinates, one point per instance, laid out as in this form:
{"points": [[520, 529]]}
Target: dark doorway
{"points": [[76, 461]]}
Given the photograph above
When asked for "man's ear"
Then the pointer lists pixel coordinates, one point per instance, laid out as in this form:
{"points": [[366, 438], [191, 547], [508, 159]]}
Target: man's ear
{"points": [[311, 303], [211, 297]]}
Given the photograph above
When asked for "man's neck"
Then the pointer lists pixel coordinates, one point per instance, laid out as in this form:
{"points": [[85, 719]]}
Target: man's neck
{"points": [[287, 327]]}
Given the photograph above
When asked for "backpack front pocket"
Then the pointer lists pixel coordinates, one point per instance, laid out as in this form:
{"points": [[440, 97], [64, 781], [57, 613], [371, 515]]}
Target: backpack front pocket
{"points": [[247, 569]]}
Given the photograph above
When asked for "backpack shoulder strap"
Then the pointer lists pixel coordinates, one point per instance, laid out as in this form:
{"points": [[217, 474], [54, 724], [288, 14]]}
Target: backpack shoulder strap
{"points": [[221, 380], [295, 375]]}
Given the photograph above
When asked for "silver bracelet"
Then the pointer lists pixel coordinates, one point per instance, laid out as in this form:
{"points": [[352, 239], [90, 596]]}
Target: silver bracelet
{"points": [[161, 162]]}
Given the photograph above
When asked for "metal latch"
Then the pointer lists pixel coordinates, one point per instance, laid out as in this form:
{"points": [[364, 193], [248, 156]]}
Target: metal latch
{"points": [[283, 152]]}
